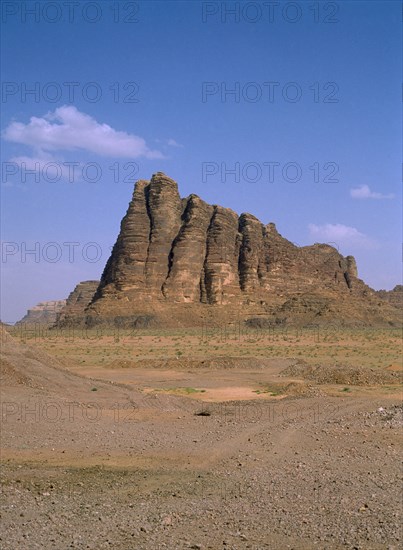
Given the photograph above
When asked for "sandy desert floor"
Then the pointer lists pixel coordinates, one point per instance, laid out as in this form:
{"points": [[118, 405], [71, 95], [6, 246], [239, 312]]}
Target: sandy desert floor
{"points": [[180, 440]]}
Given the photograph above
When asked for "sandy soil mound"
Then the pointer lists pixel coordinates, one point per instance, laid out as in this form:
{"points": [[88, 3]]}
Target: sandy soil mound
{"points": [[28, 371], [342, 374], [23, 365]]}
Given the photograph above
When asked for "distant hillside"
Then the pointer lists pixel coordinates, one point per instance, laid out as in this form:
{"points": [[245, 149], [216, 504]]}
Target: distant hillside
{"points": [[394, 296], [44, 313]]}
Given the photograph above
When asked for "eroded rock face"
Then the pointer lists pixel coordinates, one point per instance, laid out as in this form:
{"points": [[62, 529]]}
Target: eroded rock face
{"points": [[126, 266], [250, 253], [220, 277], [44, 313], [74, 307], [173, 254], [186, 260], [165, 210]]}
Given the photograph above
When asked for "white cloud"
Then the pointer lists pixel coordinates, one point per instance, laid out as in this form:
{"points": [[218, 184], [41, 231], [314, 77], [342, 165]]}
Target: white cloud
{"points": [[341, 234], [68, 129], [173, 143], [364, 192]]}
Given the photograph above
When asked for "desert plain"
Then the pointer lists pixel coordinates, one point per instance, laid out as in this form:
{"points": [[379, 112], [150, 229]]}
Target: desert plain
{"points": [[203, 438]]}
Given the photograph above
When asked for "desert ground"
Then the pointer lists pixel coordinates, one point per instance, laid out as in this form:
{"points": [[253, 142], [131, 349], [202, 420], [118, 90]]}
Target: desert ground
{"points": [[201, 438]]}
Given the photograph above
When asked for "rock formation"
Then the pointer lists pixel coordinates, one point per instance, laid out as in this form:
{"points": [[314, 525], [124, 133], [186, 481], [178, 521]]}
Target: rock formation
{"points": [[73, 308], [44, 313], [177, 261]]}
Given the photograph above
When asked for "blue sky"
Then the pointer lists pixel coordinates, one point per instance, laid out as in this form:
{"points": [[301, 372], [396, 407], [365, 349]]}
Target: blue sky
{"points": [[316, 96]]}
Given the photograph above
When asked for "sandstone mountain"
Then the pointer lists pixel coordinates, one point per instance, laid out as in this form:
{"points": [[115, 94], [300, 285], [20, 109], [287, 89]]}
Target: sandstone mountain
{"points": [[180, 261], [44, 313], [77, 301]]}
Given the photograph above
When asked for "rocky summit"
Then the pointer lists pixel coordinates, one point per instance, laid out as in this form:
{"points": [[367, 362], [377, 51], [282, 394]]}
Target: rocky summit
{"points": [[178, 261]]}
